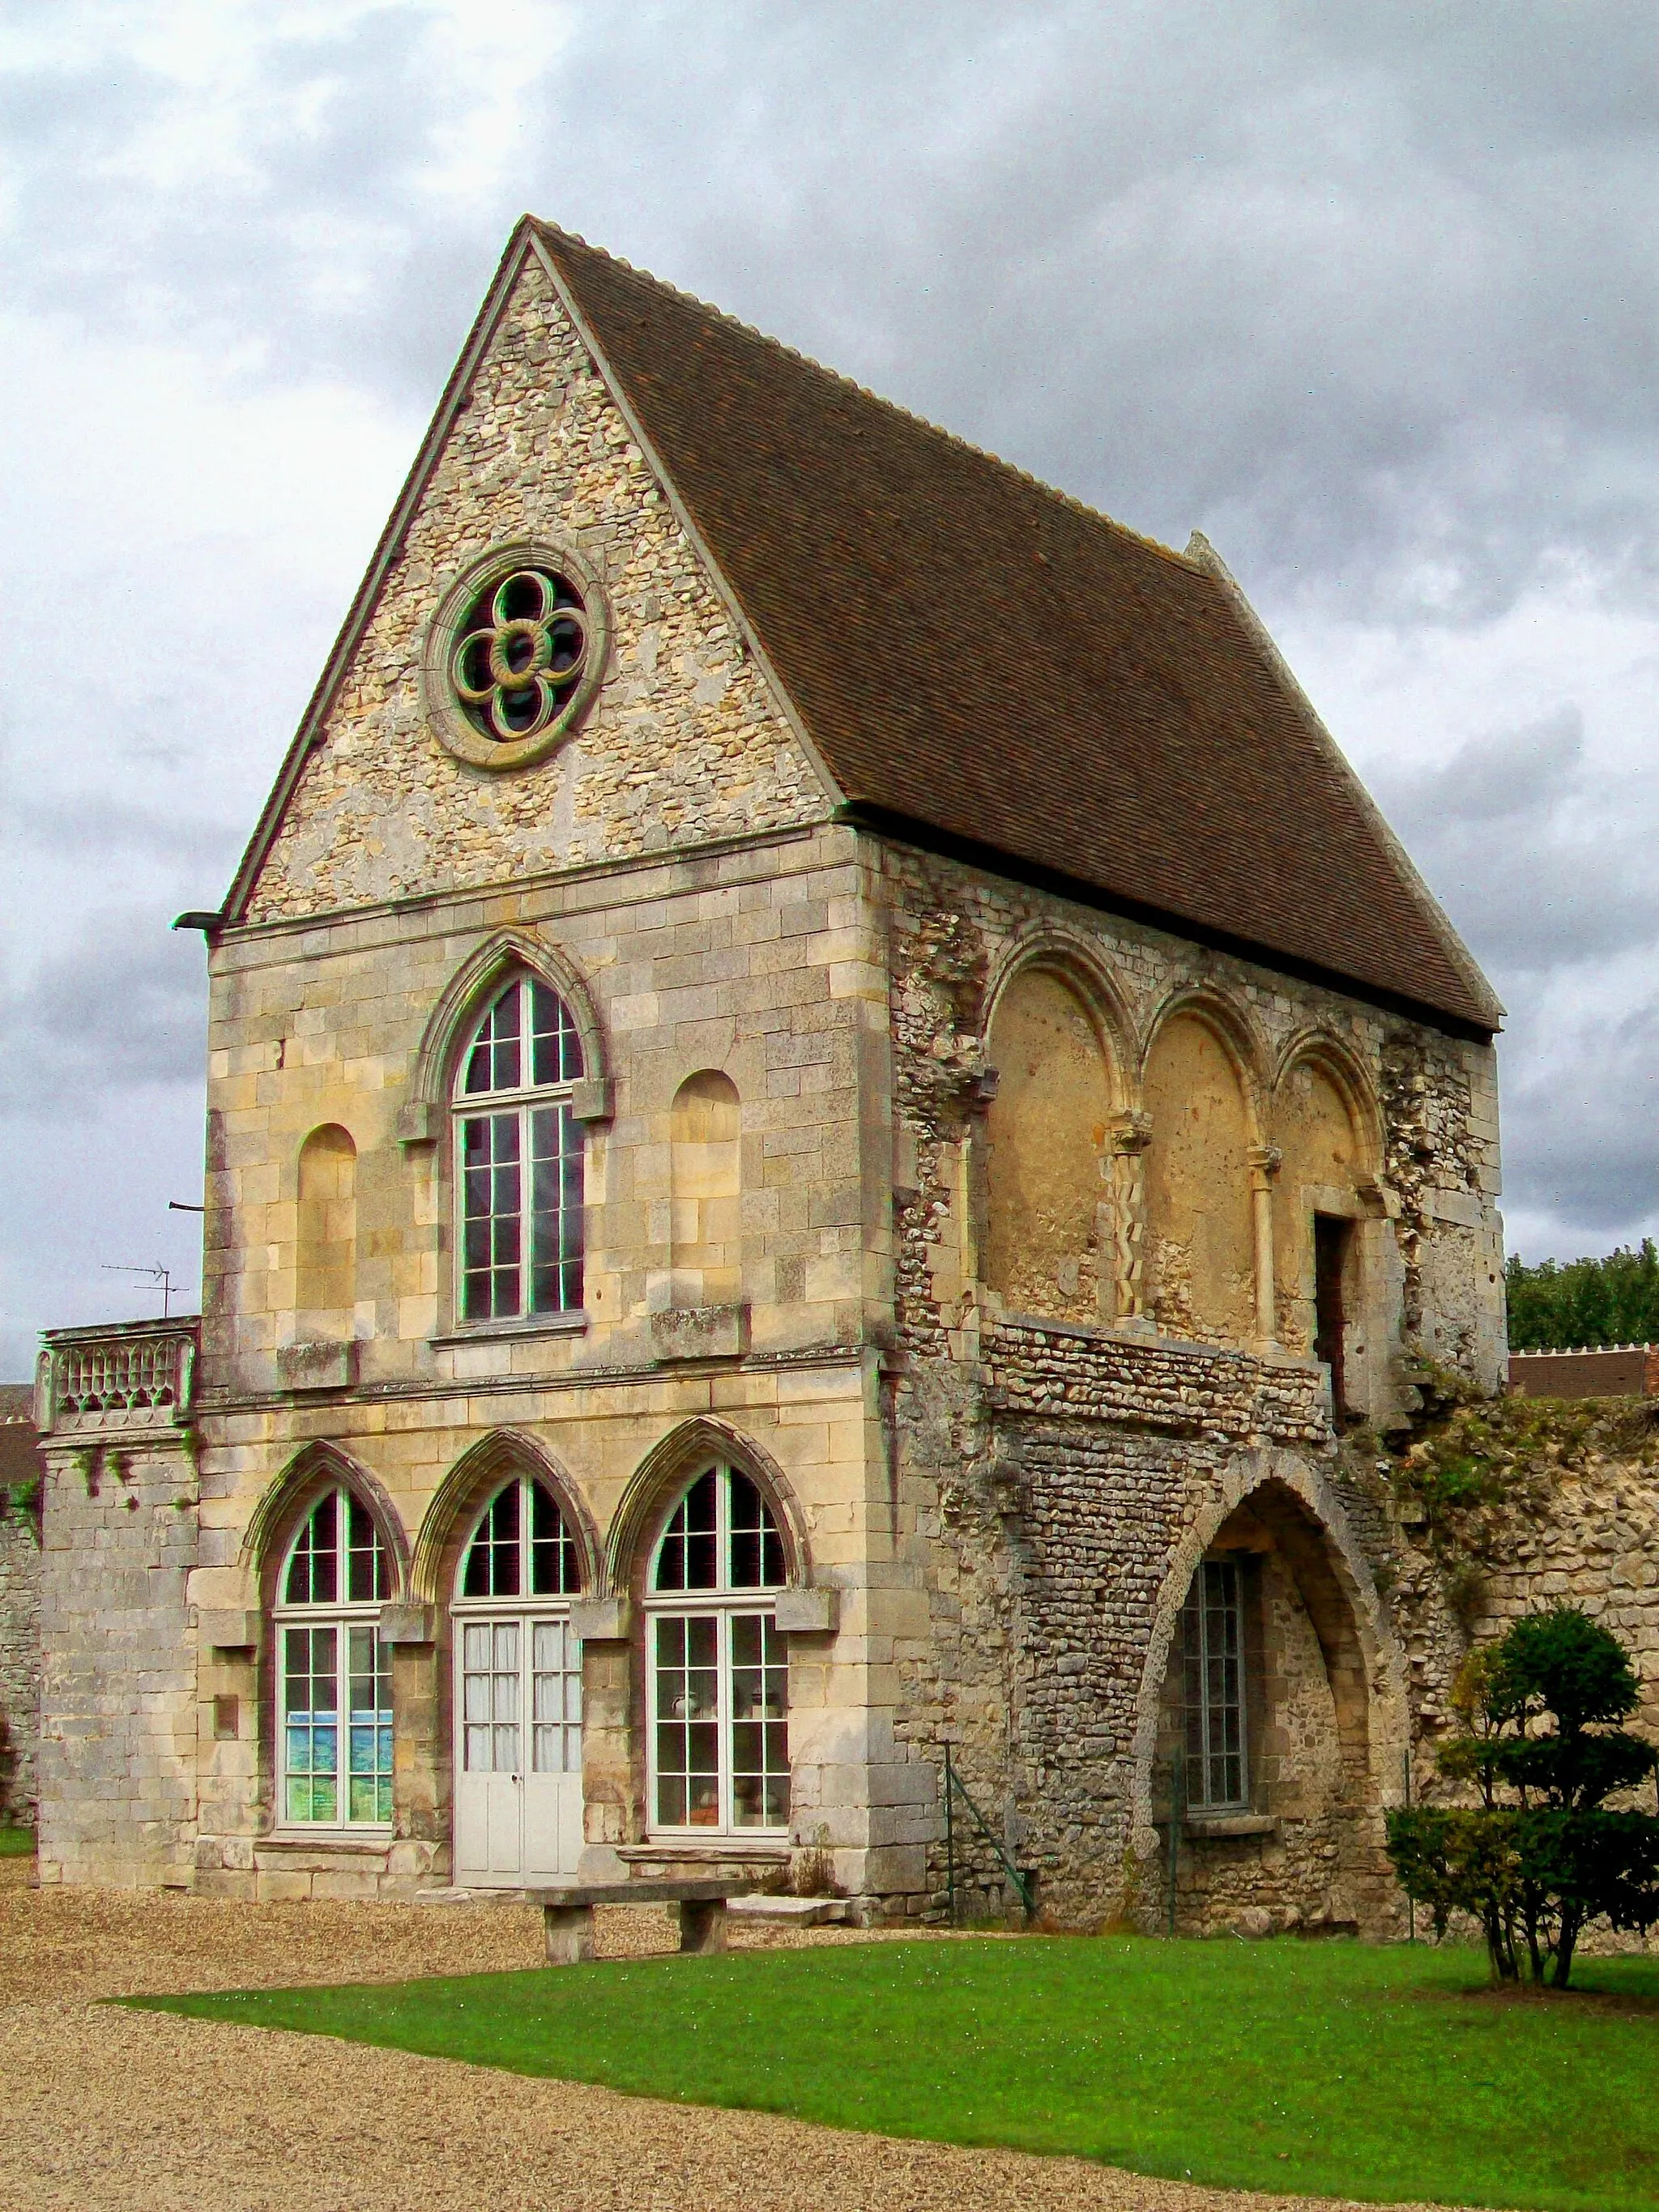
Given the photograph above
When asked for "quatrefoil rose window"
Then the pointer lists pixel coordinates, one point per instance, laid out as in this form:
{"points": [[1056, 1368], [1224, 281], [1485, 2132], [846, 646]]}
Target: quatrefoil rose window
{"points": [[514, 655], [520, 654]]}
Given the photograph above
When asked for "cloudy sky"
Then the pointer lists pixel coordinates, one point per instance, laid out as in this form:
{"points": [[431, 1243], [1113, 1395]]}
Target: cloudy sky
{"points": [[1370, 294]]}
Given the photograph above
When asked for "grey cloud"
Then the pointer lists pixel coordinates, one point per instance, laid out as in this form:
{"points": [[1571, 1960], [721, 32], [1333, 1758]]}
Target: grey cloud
{"points": [[1539, 856], [1367, 293], [123, 1004], [1581, 1124]]}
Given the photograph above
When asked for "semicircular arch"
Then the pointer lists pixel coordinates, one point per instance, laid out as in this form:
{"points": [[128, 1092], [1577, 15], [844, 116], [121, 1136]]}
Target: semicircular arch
{"points": [[1234, 1029], [1051, 948], [1315, 1046]]}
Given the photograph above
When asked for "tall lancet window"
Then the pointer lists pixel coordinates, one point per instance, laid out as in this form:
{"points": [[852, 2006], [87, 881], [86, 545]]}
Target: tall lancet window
{"points": [[518, 1159]]}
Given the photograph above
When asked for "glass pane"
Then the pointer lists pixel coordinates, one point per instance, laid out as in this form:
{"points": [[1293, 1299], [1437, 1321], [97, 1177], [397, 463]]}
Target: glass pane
{"points": [[556, 1184], [490, 1697], [555, 1698], [1213, 1632], [552, 1551], [688, 1728], [491, 1206], [312, 1576], [556, 1054], [760, 1733], [494, 1060], [311, 1739], [757, 1545], [688, 1555], [491, 1568], [367, 1576]]}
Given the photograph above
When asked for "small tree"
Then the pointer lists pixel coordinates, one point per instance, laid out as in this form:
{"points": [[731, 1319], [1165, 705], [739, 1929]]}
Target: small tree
{"points": [[1540, 1857]]}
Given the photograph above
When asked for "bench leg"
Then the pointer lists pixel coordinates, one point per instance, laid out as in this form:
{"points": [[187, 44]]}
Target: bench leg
{"points": [[702, 1927], [569, 1934]]}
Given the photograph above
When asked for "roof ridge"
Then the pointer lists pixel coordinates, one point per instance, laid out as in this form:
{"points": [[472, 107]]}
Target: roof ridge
{"points": [[879, 399]]}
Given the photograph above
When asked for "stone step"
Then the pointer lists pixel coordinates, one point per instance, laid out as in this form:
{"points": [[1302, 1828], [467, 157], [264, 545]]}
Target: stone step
{"points": [[792, 1912]]}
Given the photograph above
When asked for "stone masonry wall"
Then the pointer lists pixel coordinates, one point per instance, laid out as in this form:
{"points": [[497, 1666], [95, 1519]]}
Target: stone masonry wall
{"points": [[119, 1692], [1047, 1477], [684, 742], [20, 1660]]}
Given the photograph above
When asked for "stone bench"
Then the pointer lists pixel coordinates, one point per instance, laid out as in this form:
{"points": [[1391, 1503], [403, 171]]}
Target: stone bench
{"points": [[567, 1913]]}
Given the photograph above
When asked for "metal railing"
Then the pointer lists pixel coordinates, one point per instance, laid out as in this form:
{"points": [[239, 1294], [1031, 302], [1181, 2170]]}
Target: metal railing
{"points": [[955, 1788]]}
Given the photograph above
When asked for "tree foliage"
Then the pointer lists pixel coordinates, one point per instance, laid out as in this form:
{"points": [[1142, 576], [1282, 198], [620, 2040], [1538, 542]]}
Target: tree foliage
{"points": [[1541, 1855], [1557, 1305]]}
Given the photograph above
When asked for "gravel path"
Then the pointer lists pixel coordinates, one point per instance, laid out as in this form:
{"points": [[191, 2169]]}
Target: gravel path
{"points": [[109, 2110]]}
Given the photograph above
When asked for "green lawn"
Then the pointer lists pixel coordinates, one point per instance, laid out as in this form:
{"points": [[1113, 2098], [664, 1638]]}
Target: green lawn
{"points": [[16, 1842], [1335, 2069]]}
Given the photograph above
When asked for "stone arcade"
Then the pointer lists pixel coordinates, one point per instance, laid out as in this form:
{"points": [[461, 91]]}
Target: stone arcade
{"points": [[826, 1100]]}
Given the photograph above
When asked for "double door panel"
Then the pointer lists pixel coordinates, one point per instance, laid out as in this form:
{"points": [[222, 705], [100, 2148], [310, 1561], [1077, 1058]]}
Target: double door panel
{"points": [[519, 1760]]}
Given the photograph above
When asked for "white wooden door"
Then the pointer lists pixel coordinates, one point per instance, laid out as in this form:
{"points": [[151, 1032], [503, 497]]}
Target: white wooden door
{"points": [[553, 1784], [518, 1765]]}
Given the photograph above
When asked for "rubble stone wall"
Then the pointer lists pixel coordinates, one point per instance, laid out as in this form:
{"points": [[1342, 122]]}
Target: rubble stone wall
{"points": [[20, 1661], [1057, 1482]]}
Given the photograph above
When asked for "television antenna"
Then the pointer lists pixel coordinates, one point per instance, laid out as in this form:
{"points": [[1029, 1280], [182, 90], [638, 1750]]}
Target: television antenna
{"points": [[157, 1273]]}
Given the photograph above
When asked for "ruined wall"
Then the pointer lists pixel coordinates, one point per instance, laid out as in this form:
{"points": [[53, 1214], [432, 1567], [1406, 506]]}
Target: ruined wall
{"points": [[1051, 1471], [1048, 1245]]}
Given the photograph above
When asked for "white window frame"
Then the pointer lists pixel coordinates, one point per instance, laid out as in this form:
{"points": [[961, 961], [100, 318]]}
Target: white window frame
{"points": [[519, 1103], [526, 1610], [724, 1604], [342, 1616]]}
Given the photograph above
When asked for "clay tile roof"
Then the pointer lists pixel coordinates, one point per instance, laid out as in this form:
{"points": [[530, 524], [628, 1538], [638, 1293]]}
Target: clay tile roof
{"points": [[980, 659]]}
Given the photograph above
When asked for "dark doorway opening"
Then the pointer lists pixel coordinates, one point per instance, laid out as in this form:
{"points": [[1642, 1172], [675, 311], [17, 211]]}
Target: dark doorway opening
{"points": [[1332, 1240]]}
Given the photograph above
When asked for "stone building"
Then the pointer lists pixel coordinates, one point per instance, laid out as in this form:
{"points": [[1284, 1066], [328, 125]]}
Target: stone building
{"points": [[20, 1474], [828, 1104]]}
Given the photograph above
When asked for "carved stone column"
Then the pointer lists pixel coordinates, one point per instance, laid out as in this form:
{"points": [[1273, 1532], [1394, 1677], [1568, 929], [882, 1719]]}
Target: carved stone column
{"points": [[1264, 1161], [1128, 1136]]}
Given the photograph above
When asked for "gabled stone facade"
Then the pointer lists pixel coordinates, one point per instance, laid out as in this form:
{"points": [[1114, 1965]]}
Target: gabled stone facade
{"points": [[970, 1218]]}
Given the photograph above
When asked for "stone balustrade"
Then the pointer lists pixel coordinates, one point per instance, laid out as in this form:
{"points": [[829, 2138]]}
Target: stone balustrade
{"points": [[116, 1377]]}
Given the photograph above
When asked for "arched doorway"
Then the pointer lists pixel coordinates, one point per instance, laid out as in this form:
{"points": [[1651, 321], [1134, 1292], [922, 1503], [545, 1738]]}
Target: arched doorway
{"points": [[1272, 1717], [518, 1691]]}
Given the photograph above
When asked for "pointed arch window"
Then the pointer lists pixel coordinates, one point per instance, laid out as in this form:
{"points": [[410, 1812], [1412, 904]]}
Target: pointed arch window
{"points": [[519, 1158], [334, 1683], [718, 1667]]}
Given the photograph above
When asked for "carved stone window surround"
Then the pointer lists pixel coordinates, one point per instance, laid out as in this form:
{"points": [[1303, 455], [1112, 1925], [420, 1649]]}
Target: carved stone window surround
{"points": [[448, 711]]}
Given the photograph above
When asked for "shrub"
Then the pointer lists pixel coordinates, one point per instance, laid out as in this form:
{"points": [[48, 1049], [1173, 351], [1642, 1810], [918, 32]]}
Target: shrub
{"points": [[1541, 1856]]}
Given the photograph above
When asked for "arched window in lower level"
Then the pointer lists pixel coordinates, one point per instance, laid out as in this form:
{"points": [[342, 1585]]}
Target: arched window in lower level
{"points": [[719, 1674], [333, 1680]]}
